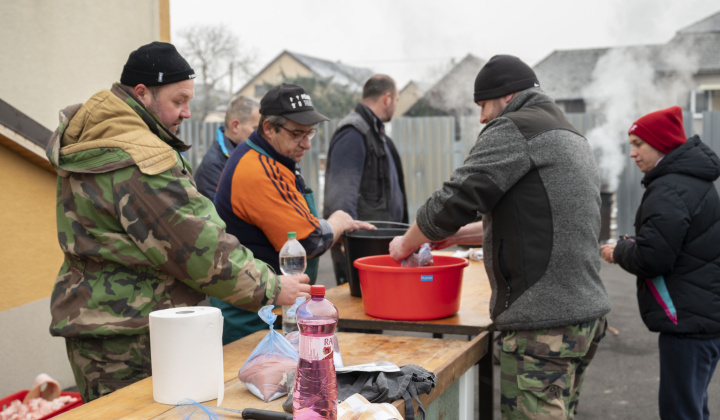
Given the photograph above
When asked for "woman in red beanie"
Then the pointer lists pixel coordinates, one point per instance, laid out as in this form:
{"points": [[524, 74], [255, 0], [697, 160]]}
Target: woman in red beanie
{"points": [[676, 258]]}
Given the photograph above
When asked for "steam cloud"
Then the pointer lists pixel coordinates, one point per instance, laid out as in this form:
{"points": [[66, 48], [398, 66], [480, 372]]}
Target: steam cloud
{"points": [[629, 82]]}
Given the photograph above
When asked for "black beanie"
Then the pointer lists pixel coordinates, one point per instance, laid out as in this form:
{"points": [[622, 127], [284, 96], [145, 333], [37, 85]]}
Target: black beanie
{"points": [[503, 75], [155, 64]]}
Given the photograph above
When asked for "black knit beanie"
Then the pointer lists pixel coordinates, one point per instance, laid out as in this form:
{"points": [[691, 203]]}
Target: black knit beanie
{"points": [[503, 75], [155, 64]]}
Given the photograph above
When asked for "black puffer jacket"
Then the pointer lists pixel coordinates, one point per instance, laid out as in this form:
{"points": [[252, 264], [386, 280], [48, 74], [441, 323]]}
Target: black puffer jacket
{"points": [[676, 253]]}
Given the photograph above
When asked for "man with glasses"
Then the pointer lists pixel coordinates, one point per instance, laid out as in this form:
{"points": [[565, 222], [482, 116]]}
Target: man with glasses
{"points": [[262, 196]]}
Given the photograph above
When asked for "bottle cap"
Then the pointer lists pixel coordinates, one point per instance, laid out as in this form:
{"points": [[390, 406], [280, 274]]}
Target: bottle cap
{"points": [[317, 290], [292, 235]]}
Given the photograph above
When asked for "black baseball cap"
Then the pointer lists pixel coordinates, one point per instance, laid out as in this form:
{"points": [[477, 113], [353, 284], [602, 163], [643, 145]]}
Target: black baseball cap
{"points": [[292, 102]]}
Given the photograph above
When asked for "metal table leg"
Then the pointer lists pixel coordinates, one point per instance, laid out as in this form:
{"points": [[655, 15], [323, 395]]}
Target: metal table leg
{"points": [[485, 384]]}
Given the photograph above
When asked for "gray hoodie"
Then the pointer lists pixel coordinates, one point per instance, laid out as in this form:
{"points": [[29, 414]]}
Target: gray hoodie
{"points": [[533, 179]]}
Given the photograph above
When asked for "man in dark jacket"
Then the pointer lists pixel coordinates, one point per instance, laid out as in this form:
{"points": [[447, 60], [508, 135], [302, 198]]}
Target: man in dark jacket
{"points": [[241, 119], [364, 175], [676, 258], [534, 180]]}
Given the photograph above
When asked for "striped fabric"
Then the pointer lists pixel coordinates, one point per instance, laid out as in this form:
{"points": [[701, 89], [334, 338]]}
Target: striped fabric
{"points": [[659, 290]]}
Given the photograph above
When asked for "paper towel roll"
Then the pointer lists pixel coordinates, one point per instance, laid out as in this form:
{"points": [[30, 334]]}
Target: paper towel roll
{"points": [[187, 357]]}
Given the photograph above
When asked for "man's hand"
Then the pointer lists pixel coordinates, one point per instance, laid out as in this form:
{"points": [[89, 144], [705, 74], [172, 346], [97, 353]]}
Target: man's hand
{"points": [[607, 252], [363, 225], [343, 222], [293, 287], [470, 234], [402, 246], [399, 249]]}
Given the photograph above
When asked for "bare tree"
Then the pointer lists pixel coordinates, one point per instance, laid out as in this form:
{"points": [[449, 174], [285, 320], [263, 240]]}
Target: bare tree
{"points": [[216, 54]]}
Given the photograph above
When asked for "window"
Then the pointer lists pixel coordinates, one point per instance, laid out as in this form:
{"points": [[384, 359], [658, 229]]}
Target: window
{"points": [[702, 100], [573, 106], [260, 90]]}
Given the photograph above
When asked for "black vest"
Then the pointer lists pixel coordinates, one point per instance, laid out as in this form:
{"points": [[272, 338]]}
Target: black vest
{"points": [[374, 200]]}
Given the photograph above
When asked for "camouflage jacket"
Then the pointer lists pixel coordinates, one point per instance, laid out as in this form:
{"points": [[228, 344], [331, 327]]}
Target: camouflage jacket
{"points": [[136, 234]]}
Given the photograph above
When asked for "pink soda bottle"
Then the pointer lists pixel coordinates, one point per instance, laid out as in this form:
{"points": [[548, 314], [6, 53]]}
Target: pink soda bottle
{"points": [[315, 394]]}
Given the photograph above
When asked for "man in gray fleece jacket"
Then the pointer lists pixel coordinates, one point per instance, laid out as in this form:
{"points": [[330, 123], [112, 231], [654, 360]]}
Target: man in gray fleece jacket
{"points": [[533, 179]]}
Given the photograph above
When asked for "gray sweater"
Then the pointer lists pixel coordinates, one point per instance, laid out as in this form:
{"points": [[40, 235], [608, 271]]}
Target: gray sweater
{"points": [[533, 179]]}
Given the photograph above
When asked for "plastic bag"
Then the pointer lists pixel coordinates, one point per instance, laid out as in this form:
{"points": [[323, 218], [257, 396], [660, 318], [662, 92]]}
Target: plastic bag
{"points": [[358, 407], [263, 373], [289, 321], [421, 258]]}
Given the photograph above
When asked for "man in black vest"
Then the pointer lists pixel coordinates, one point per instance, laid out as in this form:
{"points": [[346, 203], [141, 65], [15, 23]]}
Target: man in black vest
{"points": [[364, 175]]}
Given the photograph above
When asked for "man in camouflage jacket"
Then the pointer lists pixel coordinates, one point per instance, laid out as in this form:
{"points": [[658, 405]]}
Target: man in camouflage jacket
{"points": [[136, 233]]}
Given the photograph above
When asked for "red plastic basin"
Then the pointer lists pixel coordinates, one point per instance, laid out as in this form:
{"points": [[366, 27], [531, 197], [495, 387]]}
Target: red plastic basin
{"points": [[390, 291]]}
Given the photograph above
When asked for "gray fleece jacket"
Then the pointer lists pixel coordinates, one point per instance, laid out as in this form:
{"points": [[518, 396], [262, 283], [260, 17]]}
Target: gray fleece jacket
{"points": [[533, 179]]}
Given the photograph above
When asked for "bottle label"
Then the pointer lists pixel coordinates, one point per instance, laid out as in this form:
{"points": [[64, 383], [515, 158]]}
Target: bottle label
{"points": [[316, 348]]}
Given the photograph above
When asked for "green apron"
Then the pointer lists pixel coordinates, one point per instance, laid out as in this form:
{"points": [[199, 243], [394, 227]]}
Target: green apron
{"points": [[309, 196]]}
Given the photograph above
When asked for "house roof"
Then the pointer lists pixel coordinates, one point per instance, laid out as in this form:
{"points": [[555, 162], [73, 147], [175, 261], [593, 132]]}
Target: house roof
{"points": [[23, 135], [703, 48], [343, 74], [453, 93], [565, 73], [708, 24]]}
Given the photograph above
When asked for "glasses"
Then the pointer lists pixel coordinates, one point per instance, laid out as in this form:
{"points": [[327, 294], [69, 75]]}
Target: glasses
{"points": [[299, 134]]}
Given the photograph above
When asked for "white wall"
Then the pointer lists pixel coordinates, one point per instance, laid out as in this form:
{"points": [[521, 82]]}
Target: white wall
{"points": [[57, 53], [53, 54]]}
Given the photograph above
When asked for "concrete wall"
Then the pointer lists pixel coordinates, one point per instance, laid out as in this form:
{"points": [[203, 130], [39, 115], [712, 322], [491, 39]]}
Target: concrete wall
{"points": [[53, 53]]}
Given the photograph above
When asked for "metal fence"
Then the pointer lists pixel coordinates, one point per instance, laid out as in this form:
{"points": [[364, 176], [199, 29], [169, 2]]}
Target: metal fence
{"points": [[427, 146], [431, 147]]}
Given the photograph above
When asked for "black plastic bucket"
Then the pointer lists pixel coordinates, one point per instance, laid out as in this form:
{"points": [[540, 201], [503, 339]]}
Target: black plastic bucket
{"points": [[364, 243]]}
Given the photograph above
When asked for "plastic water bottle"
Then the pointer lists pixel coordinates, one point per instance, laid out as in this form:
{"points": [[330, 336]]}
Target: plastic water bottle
{"points": [[293, 260], [315, 394]]}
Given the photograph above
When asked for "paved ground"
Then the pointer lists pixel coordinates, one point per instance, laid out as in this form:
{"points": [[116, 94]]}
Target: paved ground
{"points": [[622, 381]]}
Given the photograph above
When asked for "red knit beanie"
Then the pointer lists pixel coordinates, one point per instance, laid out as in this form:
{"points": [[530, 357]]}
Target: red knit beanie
{"points": [[662, 129]]}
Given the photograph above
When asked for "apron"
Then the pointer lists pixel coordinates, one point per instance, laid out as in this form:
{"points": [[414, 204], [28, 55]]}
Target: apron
{"points": [[312, 263]]}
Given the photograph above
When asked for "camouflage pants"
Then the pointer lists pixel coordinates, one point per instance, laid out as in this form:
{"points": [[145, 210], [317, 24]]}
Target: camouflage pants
{"points": [[104, 365], [542, 371]]}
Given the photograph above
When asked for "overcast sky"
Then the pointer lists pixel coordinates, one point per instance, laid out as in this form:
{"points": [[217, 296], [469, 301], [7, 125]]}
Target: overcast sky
{"points": [[414, 39]]}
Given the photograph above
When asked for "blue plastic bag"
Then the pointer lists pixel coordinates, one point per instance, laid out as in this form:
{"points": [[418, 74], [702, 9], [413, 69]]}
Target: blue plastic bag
{"points": [[263, 373]]}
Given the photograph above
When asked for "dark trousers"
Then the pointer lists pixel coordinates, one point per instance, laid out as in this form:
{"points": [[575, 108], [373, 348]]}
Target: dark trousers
{"points": [[686, 369]]}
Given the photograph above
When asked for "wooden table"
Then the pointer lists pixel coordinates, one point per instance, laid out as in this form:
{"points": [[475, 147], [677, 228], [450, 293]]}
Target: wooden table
{"points": [[448, 359], [472, 319]]}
